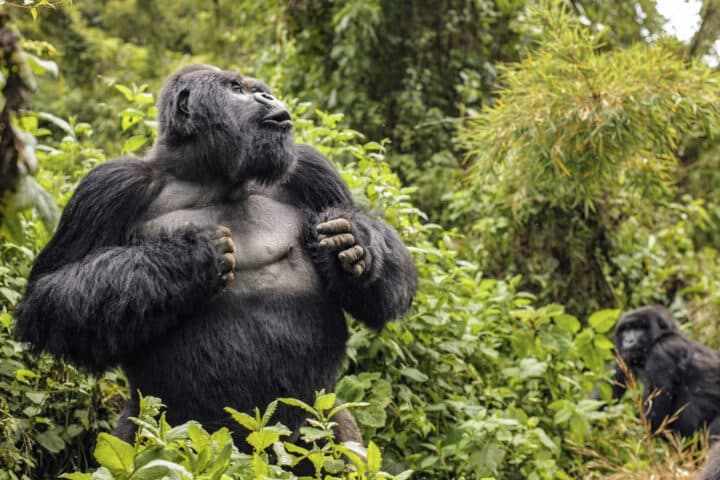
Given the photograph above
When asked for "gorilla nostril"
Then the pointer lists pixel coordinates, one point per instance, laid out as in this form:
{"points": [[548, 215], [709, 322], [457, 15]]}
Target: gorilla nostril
{"points": [[265, 98]]}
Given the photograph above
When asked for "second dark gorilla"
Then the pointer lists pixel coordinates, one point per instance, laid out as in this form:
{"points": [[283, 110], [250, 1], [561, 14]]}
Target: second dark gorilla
{"points": [[216, 269], [686, 373]]}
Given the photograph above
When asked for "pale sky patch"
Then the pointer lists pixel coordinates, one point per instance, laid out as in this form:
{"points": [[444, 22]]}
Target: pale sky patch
{"points": [[683, 20], [683, 17]]}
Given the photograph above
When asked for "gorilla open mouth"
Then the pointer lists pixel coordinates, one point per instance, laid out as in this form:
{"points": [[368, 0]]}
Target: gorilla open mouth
{"points": [[278, 118]]}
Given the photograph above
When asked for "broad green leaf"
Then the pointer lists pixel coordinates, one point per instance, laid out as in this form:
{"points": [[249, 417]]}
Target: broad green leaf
{"points": [[11, 295], [334, 466], [414, 374], [102, 473], [324, 402], [568, 323], [134, 143], [51, 440], [603, 343], [262, 439], [374, 458], [40, 66], [603, 320], [198, 436], [58, 122], [24, 375], [311, 434], [130, 117], [158, 469], [36, 397], [113, 453], [373, 416], [530, 367]]}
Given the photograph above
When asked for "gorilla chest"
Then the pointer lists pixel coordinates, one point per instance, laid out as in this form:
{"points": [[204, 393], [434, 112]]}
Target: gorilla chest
{"points": [[269, 256]]}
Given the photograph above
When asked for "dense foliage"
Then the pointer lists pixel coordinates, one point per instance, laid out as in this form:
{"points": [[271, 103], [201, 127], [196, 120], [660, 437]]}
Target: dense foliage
{"points": [[547, 165]]}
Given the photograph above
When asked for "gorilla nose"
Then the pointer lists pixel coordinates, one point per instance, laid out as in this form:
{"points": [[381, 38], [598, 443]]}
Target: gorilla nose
{"points": [[266, 99], [629, 342]]}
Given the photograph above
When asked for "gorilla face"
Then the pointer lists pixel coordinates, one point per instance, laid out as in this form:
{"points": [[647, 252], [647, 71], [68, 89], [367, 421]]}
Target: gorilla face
{"points": [[638, 330], [231, 126], [633, 344]]}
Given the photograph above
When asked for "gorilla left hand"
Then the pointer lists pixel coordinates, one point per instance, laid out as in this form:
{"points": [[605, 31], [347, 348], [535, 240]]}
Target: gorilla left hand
{"points": [[337, 236]]}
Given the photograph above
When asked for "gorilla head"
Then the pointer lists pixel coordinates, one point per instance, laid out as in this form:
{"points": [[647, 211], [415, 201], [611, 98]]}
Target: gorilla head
{"points": [[224, 127], [638, 331]]}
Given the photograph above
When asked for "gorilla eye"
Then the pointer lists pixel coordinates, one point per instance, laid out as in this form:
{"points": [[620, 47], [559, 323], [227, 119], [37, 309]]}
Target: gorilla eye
{"points": [[236, 86]]}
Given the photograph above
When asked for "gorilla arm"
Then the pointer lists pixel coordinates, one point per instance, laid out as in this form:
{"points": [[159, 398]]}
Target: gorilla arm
{"points": [[364, 262], [619, 385], [662, 373], [96, 293]]}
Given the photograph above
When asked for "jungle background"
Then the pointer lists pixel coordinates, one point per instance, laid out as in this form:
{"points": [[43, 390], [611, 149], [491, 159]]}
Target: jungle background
{"points": [[549, 164]]}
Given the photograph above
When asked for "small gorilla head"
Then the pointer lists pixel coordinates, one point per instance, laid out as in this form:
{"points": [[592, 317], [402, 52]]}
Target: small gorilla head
{"points": [[637, 331], [220, 124]]}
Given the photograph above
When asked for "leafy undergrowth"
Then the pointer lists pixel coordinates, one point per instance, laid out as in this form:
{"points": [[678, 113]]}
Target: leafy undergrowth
{"points": [[190, 452]]}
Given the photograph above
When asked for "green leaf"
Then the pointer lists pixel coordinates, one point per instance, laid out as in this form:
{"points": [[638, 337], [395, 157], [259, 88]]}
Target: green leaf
{"points": [[24, 375], [545, 440], [158, 469], [345, 406], [51, 441], [300, 404], [102, 473], [603, 320], [324, 402], [11, 295], [603, 343], [198, 436], [269, 412], [58, 122], [281, 454], [244, 419], [125, 91], [40, 66], [414, 374], [130, 117], [373, 416], [262, 439], [36, 397], [77, 476], [567, 322], [311, 434], [374, 458], [113, 453], [334, 466], [530, 367], [134, 143]]}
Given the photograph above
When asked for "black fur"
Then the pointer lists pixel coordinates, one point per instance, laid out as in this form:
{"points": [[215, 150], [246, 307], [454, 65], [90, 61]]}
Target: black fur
{"points": [[686, 373], [133, 274]]}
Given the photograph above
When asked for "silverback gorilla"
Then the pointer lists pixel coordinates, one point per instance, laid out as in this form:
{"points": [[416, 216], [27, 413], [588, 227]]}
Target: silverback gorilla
{"points": [[216, 269], [686, 373]]}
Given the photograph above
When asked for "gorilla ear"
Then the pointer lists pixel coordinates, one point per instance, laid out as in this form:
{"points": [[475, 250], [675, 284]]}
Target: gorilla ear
{"points": [[182, 102]]}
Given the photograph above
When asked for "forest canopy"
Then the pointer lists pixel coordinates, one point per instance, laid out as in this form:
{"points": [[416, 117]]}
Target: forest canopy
{"points": [[548, 164]]}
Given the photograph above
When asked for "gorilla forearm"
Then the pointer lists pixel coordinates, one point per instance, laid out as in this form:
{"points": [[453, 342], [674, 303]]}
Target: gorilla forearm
{"points": [[107, 304], [619, 386], [385, 288]]}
